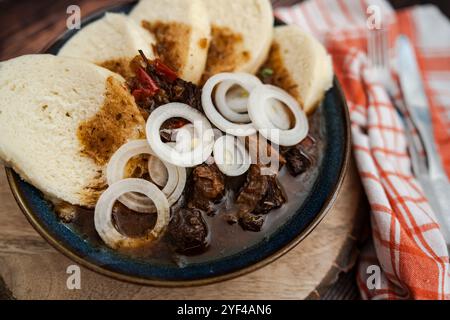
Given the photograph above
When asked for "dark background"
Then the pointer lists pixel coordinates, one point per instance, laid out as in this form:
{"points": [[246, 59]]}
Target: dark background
{"points": [[26, 26]]}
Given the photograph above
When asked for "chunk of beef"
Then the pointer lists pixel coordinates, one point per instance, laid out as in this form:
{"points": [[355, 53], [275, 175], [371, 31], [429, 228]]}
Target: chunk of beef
{"points": [[251, 194], [188, 231], [254, 190], [297, 159], [207, 186], [260, 194], [308, 143], [251, 222], [273, 199]]}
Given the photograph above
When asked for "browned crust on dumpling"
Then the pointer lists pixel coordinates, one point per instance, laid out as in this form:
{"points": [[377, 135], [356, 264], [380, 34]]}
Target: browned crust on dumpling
{"points": [[226, 52], [119, 65], [117, 121], [172, 42], [281, 76]]}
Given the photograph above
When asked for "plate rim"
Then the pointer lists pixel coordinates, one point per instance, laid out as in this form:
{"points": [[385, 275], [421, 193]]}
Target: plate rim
{"points": [[328, 204]]}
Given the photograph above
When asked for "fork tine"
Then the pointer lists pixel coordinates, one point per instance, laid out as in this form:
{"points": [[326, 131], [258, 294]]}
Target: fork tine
{"points": [[370, 47], [377, 47], [382, 47], [385, 49]]}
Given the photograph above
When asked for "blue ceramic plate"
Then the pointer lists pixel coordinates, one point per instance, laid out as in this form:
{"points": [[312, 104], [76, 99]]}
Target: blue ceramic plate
{"points": [[332, 117]]}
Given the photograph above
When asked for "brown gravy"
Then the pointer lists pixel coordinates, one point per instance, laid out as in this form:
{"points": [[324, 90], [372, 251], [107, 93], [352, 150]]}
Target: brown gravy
{"points": [[168, 46], [226, 52], [100, 136], [282, 77], [119, 65]]}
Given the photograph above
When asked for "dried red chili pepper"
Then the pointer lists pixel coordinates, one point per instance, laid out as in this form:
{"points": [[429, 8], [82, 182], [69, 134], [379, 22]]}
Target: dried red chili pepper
{"points": [[142, 94], [165, 71], [146, 81], [147, 88]]}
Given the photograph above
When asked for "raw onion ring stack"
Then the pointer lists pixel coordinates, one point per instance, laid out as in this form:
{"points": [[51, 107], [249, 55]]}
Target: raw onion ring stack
{"points": [[103, 213], [260, 101], [220, 113], [257, 107], [201, 147], [173, 187]]}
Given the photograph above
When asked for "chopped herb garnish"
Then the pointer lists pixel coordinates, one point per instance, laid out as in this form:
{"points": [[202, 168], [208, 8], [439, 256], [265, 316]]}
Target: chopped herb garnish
{"points": [[266, 72]]}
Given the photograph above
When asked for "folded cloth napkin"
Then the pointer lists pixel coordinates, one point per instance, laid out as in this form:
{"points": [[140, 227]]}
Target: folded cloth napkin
{"points": [[407, 257]]}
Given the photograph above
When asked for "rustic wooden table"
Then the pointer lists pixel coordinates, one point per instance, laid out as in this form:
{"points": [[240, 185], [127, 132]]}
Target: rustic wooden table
{"points": [[32, 269], [26, 26]]}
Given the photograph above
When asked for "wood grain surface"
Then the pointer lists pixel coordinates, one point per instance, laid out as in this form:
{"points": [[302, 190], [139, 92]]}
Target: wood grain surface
{"points": [[27, 26], [31, 269]]}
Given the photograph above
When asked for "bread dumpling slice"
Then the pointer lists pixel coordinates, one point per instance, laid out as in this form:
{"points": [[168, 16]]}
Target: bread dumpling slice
{"points": [[111, 42], [182, 32], [241, 35], [299, 64], [61, 119]]}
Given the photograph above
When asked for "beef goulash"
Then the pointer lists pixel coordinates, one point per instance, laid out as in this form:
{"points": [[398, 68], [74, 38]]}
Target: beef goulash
{"points": [[185, 131]]}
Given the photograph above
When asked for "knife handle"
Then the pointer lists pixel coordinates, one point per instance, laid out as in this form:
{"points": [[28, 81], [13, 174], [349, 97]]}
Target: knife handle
{"points": [[422, 120], [438, 197]]}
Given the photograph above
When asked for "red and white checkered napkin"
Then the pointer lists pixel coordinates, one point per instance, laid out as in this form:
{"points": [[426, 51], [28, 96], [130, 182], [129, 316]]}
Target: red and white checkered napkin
{"points": [[407, 246]]}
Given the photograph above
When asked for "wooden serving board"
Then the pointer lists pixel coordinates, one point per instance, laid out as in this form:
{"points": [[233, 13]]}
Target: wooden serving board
{"points": [[32, 269]]}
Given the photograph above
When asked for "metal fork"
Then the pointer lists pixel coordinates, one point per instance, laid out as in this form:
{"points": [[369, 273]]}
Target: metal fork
{"points": [[380, 68], [423, 167]]}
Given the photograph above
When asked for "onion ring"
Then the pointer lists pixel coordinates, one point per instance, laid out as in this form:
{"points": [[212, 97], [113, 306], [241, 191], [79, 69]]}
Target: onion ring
{"points": [[178, 187], [103, 213], [278, 115], [165, 152], [226, 104], [157, 171], [257, 109], [231, 157], [244, 80], [236, 103], [139, 203]]}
